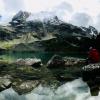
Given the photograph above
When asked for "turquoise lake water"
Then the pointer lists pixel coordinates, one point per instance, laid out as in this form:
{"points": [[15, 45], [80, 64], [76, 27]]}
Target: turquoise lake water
{"points": [[44, 56]]}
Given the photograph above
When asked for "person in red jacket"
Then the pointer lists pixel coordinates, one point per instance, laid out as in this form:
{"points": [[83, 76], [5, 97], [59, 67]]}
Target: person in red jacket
{"points": [[93, 55]]}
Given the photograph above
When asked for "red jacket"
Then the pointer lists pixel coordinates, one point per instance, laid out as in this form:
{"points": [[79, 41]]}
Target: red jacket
{"points": [[94, 55]]}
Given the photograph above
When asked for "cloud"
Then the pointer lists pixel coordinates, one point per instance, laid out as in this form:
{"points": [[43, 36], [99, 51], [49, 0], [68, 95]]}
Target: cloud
{"points": [[40, 5], [14, 5], [41, 15], [62, 11], [97, 22], [64, 6], [5, 19], [81, 19], [1, 7], [67, 10]]}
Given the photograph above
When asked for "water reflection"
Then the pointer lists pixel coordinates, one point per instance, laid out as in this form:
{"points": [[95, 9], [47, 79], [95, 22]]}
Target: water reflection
{"points": [[75, 90]]}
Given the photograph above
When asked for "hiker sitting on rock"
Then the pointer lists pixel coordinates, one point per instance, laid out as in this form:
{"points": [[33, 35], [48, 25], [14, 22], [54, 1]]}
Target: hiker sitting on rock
{"points": [[93, 55]]}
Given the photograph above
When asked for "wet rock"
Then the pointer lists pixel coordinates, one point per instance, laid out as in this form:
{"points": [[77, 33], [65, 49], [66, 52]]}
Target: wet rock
{"points": [[91, 67], [30, 62], [20, 61], [25, 86], [55, 62], [24, 78], [58, 61], [33, 62], [5, 83], [91, 75], [70, 61], [68, 70], [7, 77], [91, 71]]}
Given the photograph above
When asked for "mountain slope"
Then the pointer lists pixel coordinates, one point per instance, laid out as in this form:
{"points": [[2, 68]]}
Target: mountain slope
{"points": [[49, 35]]}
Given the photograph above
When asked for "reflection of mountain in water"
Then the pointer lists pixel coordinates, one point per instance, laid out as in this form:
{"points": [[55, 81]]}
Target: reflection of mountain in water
{"points": [[75, 90]]}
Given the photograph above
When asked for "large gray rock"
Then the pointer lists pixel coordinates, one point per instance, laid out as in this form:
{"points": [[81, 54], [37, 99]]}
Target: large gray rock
{"points": [[24, 87], [30, 62], [71, 61], [20, 86], [55, 62], [58, 61], [91, 75], [5, 83], [91, 67]]}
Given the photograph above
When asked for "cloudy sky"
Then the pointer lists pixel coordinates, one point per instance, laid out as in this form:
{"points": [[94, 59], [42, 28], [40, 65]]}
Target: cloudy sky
{"points": [[77, 12]]}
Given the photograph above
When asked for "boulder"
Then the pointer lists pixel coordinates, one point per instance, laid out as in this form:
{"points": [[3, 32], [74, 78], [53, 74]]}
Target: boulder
{"points": [[91, 71], [71, 61], [23, 78], [25, 86], [20, 61], [30, 62], [58, 61], [33, 62], [55, 62], [5, 83], [91, 75]]}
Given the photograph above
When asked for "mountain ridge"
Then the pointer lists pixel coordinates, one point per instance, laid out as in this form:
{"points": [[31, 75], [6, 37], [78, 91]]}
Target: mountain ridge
{"points": [[63, 33]]}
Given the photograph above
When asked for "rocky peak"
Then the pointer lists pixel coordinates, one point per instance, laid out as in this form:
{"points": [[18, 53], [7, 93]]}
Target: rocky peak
{"points": [[19, 18], [21, 15], [54, 20], [92, 31]]}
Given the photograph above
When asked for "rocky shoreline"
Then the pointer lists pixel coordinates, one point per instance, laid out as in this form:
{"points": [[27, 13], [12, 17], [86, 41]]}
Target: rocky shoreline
{"points": [[53, 35], [26, 74]]}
